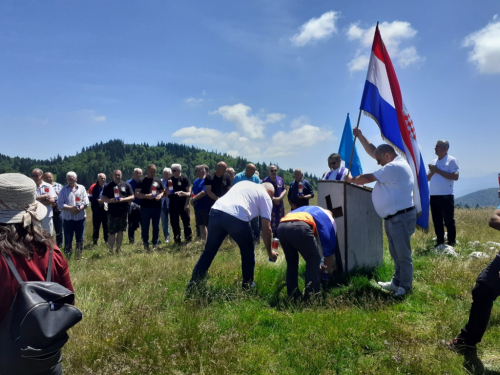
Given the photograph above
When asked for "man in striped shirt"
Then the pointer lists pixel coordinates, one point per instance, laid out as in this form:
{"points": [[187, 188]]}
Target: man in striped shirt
{"points": [[73, 201]]}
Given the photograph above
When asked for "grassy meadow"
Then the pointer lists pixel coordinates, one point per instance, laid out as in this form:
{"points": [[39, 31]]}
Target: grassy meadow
{"points": [[138, 320]]}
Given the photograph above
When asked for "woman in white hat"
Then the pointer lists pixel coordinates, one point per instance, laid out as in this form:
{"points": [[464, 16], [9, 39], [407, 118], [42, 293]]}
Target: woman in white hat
{"points": [[25, 242]]}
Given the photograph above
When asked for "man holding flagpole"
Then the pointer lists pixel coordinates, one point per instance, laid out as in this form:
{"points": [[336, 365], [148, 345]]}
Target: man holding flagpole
{"points": [[393, 200]]}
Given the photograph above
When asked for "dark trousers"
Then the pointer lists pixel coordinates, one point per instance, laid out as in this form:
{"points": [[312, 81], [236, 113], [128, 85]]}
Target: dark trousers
{"points": [[58, 227], [255, 224], [443, 210], [484, 293], [134, 221], [297, 237], [177, 213], [150, 215], [76, 228], [100, 217], [220, 225]]}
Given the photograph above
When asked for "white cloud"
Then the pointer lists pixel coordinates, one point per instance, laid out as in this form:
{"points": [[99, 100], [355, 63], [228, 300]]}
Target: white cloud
{"points": [[193, 102], [393, 34], [274, 117], [239, 115], [297, 122], [485, 45], [293, 142], [213, 138], [100, 118], [316, 29]]}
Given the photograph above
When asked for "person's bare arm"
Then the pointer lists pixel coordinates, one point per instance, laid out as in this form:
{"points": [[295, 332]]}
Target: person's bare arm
{"points": [[495, 218], [367, 145], [210, 192], [267, 236], [139, 195], [361, 179]]}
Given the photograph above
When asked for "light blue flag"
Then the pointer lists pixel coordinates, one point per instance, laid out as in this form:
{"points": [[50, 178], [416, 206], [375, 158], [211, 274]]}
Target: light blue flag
{"points": [[346, 148]]}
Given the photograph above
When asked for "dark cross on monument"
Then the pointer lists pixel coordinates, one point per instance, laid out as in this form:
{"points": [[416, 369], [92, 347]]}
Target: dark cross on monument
{"points": [[336, 212]]}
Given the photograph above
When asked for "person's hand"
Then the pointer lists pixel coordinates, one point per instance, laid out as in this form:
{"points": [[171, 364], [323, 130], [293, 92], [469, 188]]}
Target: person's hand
{"points": [[158, 197], [292, 206], [74, 210], [186, 208], [273, 256], [433, 168], [303, 196], [357, 132], [348, 178], [113, 200], [277, 201], [179, 193]]}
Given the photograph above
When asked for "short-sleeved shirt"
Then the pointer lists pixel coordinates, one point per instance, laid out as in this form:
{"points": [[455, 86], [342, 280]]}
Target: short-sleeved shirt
{"points": [[46, 188], [204, 203], [219, 185], [146, 186], [246, 201], [179, 184], [294, 190], [242, 177], [67, 196], [438, 184], [393, 190], [125, 190]]}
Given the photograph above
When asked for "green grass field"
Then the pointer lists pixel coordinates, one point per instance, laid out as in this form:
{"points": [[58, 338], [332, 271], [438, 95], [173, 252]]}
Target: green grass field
{"points": [[138, 320]]}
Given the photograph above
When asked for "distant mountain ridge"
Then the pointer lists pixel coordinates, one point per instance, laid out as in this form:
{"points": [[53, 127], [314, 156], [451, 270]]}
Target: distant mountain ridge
{"points": [[115, 154], [481, 198]]}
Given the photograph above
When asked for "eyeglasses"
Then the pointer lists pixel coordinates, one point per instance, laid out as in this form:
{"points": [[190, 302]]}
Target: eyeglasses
{"points": [[35, 175]]}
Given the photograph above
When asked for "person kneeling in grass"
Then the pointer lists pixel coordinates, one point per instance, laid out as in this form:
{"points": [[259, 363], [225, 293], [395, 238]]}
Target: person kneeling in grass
{"points": [[306, 231], [232, 214], [484, 293]]}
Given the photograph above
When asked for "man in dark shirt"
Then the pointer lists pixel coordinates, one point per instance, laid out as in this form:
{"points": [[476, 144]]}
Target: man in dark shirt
{"points": [[99, 215], [150, 191], [117, 209], [294, 198], [218, 183], [134, 214], [179, 204]]}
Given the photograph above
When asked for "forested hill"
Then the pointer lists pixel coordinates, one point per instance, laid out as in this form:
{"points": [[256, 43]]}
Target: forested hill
{"points": [[481, 198], [106, 157]]}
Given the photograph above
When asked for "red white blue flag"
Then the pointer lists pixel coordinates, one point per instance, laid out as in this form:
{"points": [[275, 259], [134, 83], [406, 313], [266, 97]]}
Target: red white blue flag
{"points": [[382, 101]]}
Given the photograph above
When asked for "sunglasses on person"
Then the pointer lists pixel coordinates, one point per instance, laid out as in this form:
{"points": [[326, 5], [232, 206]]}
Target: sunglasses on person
{"points": [[273, 170]]}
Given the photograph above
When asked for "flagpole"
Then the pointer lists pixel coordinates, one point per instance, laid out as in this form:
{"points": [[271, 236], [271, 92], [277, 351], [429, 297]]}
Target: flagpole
{"points": [[354, 142]]}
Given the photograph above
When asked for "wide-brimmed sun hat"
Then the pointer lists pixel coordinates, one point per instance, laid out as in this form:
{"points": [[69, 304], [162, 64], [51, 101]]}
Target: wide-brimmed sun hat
{"points": [[18, 202]]}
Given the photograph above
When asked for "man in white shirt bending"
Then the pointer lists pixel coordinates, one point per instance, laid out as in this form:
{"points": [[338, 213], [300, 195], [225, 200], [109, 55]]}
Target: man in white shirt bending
{"points": [[231, 214], [443, 171], [392, 198]]}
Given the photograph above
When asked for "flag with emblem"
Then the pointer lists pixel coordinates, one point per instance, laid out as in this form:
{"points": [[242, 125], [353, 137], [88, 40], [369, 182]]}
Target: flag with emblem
{"points": [[383, 102]]}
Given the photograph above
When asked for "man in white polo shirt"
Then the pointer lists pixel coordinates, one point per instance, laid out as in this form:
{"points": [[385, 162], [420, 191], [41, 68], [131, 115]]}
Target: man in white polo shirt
{"points": [[443, 171], [392, 197], [231, 214]]}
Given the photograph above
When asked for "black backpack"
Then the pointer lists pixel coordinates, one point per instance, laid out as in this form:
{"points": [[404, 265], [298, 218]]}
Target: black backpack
{"points": [[33, 332]]}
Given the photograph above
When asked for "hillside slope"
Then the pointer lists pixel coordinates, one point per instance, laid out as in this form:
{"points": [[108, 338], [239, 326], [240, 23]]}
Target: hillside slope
{"points": [[481, 198], [106, 157]]}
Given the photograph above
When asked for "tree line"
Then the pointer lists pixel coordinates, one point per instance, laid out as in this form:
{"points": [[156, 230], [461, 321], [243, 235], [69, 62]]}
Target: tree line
{"points": [[115, 154]]}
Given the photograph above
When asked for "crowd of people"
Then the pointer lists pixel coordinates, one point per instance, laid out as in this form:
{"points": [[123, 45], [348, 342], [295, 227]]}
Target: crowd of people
{"points": [[246, 208]]}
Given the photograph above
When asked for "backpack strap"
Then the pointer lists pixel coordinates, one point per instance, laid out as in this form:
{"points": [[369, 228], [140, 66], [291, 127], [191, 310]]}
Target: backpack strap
{"points": [[49, 268], [12, 268], [16, 274]]}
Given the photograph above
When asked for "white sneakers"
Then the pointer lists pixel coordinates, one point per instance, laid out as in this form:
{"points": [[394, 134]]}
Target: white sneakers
{"points": [[389, 286]]}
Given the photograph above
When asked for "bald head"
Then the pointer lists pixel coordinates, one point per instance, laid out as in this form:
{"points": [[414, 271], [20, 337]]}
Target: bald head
{"points": [[384, 154], [220, 169], [250, 170]]}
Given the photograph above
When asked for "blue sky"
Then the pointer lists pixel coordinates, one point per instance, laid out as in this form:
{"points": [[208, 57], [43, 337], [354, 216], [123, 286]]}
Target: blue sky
{"points": [[267, 80]]}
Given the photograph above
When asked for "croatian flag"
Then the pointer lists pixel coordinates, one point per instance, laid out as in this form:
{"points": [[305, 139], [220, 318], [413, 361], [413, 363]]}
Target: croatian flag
{"points": [[383, 102]]}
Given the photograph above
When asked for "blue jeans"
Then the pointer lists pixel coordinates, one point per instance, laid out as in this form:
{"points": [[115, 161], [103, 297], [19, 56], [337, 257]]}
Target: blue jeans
{"points": [[150, 214], [220, 225], [164, 222], [255, 224], [76, 227]]}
